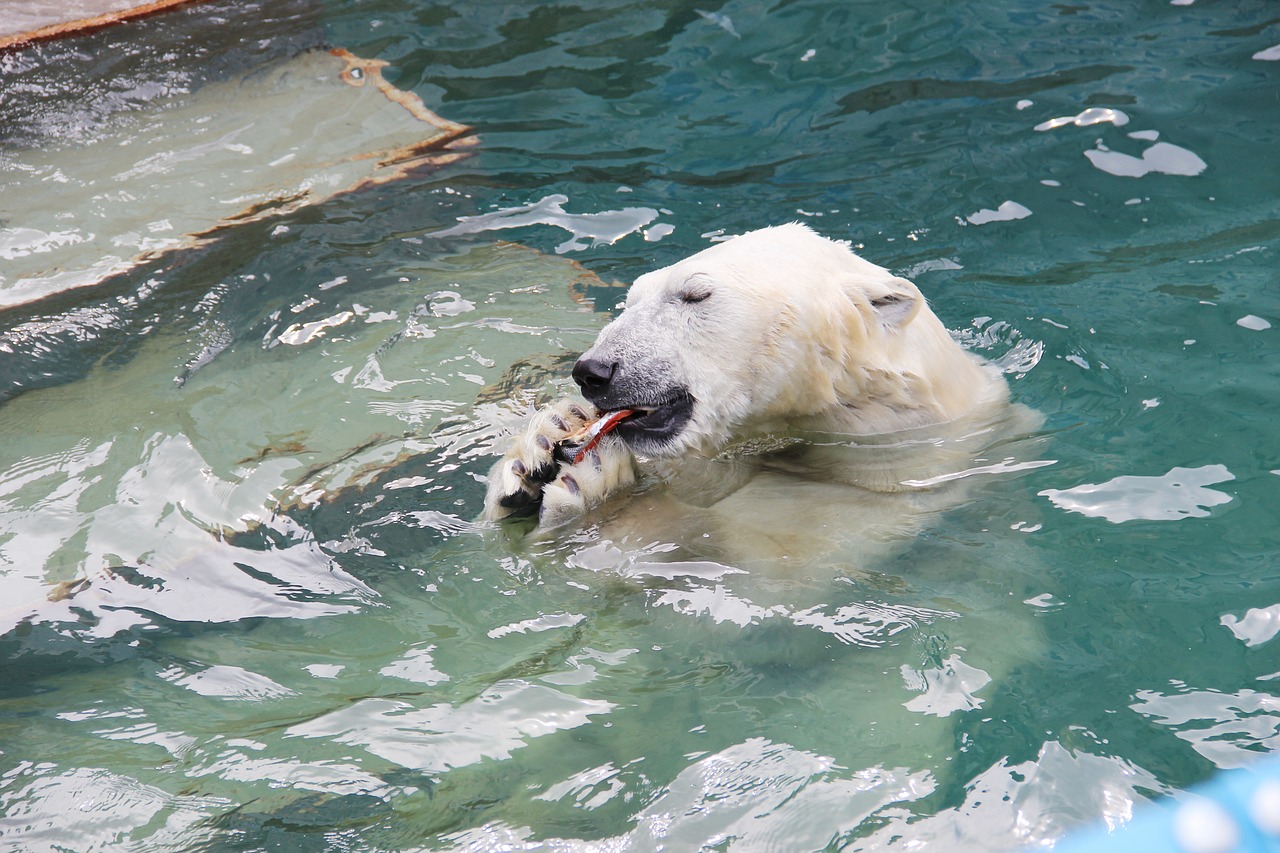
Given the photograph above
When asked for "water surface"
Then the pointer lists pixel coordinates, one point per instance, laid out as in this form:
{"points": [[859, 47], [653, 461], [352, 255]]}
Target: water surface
{"points": [[244, 605]]}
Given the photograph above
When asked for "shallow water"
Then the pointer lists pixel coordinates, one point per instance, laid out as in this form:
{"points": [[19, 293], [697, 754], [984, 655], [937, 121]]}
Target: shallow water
{"points": [[246, 473]]}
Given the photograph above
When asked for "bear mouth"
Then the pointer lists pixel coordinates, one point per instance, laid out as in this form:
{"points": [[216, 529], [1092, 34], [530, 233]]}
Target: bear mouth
{"points": [[654, 425]]}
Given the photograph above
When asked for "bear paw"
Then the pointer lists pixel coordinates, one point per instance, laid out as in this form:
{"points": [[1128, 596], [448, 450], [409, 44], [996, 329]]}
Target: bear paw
{"points": [[533, 477]]}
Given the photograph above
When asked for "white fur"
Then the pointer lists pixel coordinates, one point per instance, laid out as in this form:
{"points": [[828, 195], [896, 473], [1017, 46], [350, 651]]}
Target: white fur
{"points": [[797, 332], [775, 332]]}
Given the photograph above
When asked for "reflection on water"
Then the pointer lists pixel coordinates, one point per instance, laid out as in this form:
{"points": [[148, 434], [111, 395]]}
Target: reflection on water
{"points": [[1163, 158], [1093, 115], [1182, 493], [1228, 729], [243, 602], [604, 228], [1006, 211]]}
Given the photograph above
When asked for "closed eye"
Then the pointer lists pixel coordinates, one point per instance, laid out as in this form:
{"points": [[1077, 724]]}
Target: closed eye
{"points": [[696, 288]]}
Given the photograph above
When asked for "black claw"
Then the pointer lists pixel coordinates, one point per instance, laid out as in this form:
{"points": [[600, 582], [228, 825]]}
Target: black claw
{"points": [[544, 443], [519, 468], [571, 484], [545, 473], [559, 422], [578, 412]]}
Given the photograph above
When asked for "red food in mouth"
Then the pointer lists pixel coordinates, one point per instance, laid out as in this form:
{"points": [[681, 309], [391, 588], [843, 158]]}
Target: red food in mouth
{"points": [[599, 429]]}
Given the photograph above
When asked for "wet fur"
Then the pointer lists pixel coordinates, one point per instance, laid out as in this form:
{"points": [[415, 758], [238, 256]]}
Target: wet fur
{"points": [[779, 332]]}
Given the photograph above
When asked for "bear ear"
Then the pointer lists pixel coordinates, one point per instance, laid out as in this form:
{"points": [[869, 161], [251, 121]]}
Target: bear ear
{"points": [[894, 301]]}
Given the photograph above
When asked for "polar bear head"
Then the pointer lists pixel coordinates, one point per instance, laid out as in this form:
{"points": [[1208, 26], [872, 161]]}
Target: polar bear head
{"points": [[775, 330]]}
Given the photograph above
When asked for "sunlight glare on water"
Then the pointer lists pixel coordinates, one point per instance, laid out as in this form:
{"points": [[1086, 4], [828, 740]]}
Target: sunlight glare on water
{"points": [[588, 230], [244, 603]]}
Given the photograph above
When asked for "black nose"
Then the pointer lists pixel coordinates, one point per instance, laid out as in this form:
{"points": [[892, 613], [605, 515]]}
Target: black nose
{"points": [[593, 375]]}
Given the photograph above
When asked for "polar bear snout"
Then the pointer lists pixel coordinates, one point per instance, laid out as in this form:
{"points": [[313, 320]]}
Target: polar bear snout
{"points": [[662, 409], [593, 375]]}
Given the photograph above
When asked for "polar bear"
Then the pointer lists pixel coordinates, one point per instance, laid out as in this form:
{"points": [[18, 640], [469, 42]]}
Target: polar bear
{"points": [[804, 461], [749, 350]]}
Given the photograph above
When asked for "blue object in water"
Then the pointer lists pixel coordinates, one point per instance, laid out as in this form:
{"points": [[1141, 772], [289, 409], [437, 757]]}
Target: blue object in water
{"points": [[1238, 812]]}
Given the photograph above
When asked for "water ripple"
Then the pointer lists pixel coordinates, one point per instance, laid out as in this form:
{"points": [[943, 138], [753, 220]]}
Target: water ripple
{"points": [[499, 721]]}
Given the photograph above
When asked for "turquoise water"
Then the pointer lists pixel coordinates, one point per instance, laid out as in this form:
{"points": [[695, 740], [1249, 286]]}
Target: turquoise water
{"points": [[243, 603]]}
